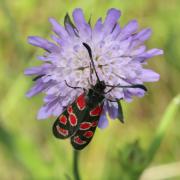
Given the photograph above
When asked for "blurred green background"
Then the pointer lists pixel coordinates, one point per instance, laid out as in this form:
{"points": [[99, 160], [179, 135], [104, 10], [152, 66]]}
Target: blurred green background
{"points": [[28, 149]]}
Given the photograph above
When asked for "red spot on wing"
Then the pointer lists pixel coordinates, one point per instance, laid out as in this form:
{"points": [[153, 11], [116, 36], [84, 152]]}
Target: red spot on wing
{"points": [[85, 125], [70, 109], [73, 119], [81, 102], [63, 119], [88, 134], [94, 124], [77, 140], [96, 111], [62, 131]]}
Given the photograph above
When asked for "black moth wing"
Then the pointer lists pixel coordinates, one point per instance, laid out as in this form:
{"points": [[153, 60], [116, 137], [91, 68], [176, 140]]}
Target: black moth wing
{"points": [[69, 121], [87, 127]]}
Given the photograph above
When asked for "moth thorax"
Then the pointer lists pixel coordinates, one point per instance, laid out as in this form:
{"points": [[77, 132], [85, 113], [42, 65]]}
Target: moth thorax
{"points": [[100, 86]]}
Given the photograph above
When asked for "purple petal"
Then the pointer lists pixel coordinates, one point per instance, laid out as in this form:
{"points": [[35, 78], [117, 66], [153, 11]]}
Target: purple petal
{"points": [[103, 122], [70, 30], [136, 92], [80, 22], [33, 70], [154, 52], [150, 53], [98, 26], [125, 43], [35, 90], [56, 39], [130, 28], [127, 95], [111, 19], [138, 51], [112, 111], [42, 58], [140, 37], [47, 110], [57, 110], [143, 35], [39, 87], [149, 75], [97, 31], [42, 43], [116, 31], [58, 29], [49, 98], [140, 93], [43, 113], [39, 70]]}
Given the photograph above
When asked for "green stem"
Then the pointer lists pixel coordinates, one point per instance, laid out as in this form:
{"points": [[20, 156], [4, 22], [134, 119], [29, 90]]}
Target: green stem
{"points": [[167, 118], [75, 165]]}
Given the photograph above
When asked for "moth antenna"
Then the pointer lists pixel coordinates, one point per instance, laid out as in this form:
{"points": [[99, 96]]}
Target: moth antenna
{"points": [[140, 86], [90, 55]]}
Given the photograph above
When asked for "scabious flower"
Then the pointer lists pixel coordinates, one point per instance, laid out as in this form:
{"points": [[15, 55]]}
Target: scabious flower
{"points": [[118, 52]]}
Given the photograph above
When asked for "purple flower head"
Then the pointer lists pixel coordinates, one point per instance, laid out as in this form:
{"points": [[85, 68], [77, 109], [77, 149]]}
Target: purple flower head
{"points": [[119, 55]]}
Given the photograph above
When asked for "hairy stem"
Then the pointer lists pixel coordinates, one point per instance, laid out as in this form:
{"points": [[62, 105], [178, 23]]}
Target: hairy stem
{"points": [[75, 165]]}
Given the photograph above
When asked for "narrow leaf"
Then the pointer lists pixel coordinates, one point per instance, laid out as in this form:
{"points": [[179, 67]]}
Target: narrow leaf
{"points": [[89, 21], [67, 20], [120, 112]]}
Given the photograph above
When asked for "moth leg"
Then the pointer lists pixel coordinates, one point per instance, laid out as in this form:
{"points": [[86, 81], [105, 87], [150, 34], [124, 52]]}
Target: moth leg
{"points": [[111, 100], [109, 90], [73, 87]]}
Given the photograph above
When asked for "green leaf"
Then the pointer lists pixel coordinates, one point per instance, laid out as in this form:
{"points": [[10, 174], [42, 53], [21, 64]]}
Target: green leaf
{"points": [[120, 112], [89, 21], [67, 20]]}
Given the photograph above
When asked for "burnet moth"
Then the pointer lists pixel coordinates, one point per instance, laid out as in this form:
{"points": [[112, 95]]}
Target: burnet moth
{"points": [[80, 119]]}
